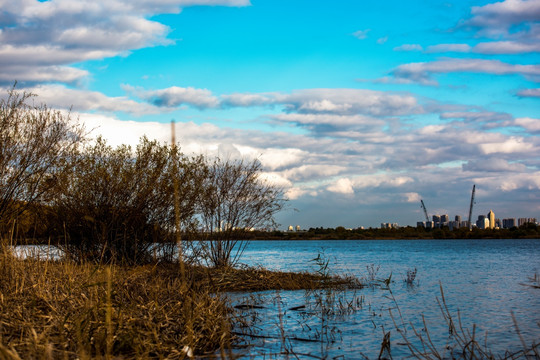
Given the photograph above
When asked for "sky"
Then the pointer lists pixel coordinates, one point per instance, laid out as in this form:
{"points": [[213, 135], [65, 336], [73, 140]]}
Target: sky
{"points": [[357, 109]]}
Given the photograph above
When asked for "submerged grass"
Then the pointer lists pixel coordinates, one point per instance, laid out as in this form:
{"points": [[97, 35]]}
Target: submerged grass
{"points": [[62, 310]]}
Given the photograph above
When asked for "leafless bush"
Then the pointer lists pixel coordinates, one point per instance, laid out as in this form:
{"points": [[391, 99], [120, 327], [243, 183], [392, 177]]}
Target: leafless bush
{"points": [[118, 204], [235, 200], [37, 145]]}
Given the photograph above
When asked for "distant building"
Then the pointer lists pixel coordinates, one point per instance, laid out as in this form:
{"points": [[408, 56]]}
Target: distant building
{"points": [[445, 219], [482, 222], [458, 218], [297, 227], [290, 228], [523, 221], [491, 217], [509, 223]]}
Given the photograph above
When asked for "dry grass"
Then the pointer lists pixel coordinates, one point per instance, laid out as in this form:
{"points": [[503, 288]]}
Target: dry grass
{"points": [[61, 310], [258, 279]]}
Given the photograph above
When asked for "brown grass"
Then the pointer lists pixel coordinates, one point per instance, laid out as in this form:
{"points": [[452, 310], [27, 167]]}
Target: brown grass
{"points": [[60, 310]]}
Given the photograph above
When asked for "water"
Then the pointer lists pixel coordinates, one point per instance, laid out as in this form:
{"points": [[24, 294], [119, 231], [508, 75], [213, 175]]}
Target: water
{"points": [[482, 279]]}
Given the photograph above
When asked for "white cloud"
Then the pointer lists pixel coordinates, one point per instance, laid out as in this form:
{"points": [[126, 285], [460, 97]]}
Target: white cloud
{"points": [[422, 72], [175, 96], [348, 121], [248, 100], [342, 186], [530, 93], [312, 172], [412, 197], [118, 132], [332, 101], [449, 48], [529, 124], [409, 47], [278, 158], [361, 34], [508, 146], [58, 96], [350, 101], [500, 15], [506, 47], [382, 40], [43, 38], [493, 165]]}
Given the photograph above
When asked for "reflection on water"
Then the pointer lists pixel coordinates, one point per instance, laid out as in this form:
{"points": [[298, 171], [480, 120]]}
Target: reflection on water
{"points": [[482, 280]]}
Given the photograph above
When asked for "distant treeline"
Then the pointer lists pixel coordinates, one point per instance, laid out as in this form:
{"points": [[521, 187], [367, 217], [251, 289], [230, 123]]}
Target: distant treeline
{"points": [[527, 231]]}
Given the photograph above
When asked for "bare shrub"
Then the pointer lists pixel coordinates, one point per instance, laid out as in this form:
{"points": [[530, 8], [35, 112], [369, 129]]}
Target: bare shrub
{"points": [[235, 200], [37, 145], [118, 204]]}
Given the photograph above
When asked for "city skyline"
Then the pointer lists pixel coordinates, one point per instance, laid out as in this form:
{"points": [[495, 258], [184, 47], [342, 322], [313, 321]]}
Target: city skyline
{"points": [[357, 109]]}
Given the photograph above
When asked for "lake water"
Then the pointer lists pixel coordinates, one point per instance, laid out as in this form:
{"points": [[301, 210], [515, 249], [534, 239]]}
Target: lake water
{"points": [[484, 280]]}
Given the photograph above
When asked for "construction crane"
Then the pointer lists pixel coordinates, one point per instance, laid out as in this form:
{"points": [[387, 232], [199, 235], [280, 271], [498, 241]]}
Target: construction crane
{"points": [[425, 211], [470, 209]]}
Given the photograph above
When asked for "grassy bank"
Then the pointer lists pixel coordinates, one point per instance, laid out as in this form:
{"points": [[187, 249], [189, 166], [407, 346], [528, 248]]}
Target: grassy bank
{"points": [[51, 310]]}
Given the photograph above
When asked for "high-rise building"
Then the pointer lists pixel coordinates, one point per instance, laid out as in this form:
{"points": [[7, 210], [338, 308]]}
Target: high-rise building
{"points": [[491, 217], [509, 223], [482, 222], [458, 218]]}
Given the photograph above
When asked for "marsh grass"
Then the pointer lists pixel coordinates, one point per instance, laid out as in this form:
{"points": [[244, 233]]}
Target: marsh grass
{"points": [[63, 310]]}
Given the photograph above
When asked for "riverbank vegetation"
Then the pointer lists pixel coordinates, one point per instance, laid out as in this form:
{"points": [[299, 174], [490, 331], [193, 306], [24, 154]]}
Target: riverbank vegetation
{"points": [[65, 310], [148, 239], [105, 204], [527, 231]]}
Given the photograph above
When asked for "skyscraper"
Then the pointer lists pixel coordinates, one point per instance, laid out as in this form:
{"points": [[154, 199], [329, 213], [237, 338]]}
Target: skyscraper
{"points": [[491, 217]]}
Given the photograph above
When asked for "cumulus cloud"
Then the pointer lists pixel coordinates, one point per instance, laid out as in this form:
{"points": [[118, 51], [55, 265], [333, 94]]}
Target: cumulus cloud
{"points": [[312, 172], [175, 96], [412, 197], [40, 40], [59, 96], [331, 101], [248, 100], [510, 145], [512, 23], [351, 101], [422, 72], [342, 186], [529, 124], [499, 16], [386, 166]]}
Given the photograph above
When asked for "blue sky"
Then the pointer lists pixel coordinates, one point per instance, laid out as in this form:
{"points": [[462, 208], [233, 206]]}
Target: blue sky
{"points": [[357, 109]]}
